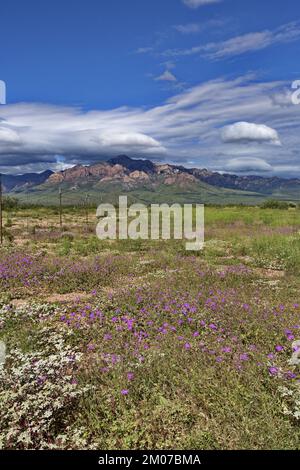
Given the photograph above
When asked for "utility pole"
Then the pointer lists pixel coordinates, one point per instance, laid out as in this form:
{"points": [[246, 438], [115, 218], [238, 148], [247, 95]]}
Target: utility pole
{"points": [[1, 207], [87, 211], [60, 209]]}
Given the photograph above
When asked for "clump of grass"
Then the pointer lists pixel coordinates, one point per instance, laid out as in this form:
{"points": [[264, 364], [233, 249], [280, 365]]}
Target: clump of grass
{"points": [[8, 223], [64, 248], [278, 252]]}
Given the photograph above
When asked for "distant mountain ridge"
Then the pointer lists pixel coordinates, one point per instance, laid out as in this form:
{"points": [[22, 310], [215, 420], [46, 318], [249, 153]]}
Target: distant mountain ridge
{"points": [[137, 176], [265, 185], [12, 182], [130, 171], [125, 171]]}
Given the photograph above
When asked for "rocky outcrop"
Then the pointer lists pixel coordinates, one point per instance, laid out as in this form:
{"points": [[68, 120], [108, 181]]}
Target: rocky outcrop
{"points": [[181, 179], [139, 176], [131, 173]]}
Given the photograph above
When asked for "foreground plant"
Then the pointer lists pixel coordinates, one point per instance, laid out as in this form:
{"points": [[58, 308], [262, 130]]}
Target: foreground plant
{"points": [[39, 393]]}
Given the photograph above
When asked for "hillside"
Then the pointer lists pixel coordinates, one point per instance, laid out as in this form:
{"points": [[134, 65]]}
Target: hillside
{"points": [[148, 182], [13, 182]]}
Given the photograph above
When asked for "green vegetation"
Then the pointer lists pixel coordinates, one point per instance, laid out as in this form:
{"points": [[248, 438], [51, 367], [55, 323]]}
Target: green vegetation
{"points": [[273, 204], [10, 203], [139, 344], [195, 193]]}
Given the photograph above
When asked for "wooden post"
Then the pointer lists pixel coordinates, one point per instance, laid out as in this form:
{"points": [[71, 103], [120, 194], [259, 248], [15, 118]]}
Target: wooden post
{"points": [[60, 209], [1, 216], [27, 218], [87, 211]]}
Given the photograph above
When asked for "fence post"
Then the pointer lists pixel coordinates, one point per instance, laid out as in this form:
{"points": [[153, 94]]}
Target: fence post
{"points": [[1, 207], [60, 209]]}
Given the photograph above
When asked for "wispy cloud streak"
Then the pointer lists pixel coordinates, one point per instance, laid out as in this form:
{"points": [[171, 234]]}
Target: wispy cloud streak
{"points": [[239, 45]]}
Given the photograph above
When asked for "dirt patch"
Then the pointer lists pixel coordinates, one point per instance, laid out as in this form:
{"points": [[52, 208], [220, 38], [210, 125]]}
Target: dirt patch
{"points": [[67, 298], [19, 302], [270, 273]]}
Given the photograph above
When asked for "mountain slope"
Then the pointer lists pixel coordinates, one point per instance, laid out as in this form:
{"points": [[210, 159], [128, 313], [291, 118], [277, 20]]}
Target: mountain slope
{"points": [[13, 182], [145, 181], [249, 183]]}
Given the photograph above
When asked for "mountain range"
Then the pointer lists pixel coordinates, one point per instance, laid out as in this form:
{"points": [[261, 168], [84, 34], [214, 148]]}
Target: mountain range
{"points": [[13, 182], [146, 181]]}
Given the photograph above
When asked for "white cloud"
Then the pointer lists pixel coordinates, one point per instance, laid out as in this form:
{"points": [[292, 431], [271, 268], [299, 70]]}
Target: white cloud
{"points": [[167, 76], [169, 65], [33, 130], [247, 165], [199, 3], [193, 28], [182, 129], [9, 136], [244, 132], [239, 45], [253, 41], [144, 50], [128, 139], [189, 28], [282, 98]]}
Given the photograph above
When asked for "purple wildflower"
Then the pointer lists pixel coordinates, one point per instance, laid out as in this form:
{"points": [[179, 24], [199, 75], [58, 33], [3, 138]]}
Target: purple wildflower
{"points": [[273, 371], [244, 357]]}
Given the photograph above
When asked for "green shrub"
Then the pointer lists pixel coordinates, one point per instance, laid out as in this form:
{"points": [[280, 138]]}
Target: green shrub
{"points": [[10, 203], [273, 204]]}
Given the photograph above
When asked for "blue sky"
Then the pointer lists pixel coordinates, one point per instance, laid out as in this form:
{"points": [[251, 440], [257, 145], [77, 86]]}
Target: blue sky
{"points": [[203, 83]]}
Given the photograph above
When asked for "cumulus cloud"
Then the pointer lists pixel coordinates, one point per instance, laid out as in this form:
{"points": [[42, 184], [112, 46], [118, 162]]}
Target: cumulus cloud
{"points": [[199, 3], [167, 76], [244, 132], [247, 165]]}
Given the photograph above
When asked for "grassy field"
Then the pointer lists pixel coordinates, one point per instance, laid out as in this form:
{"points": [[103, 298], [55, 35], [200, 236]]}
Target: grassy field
{"points": [[143, 345]]}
